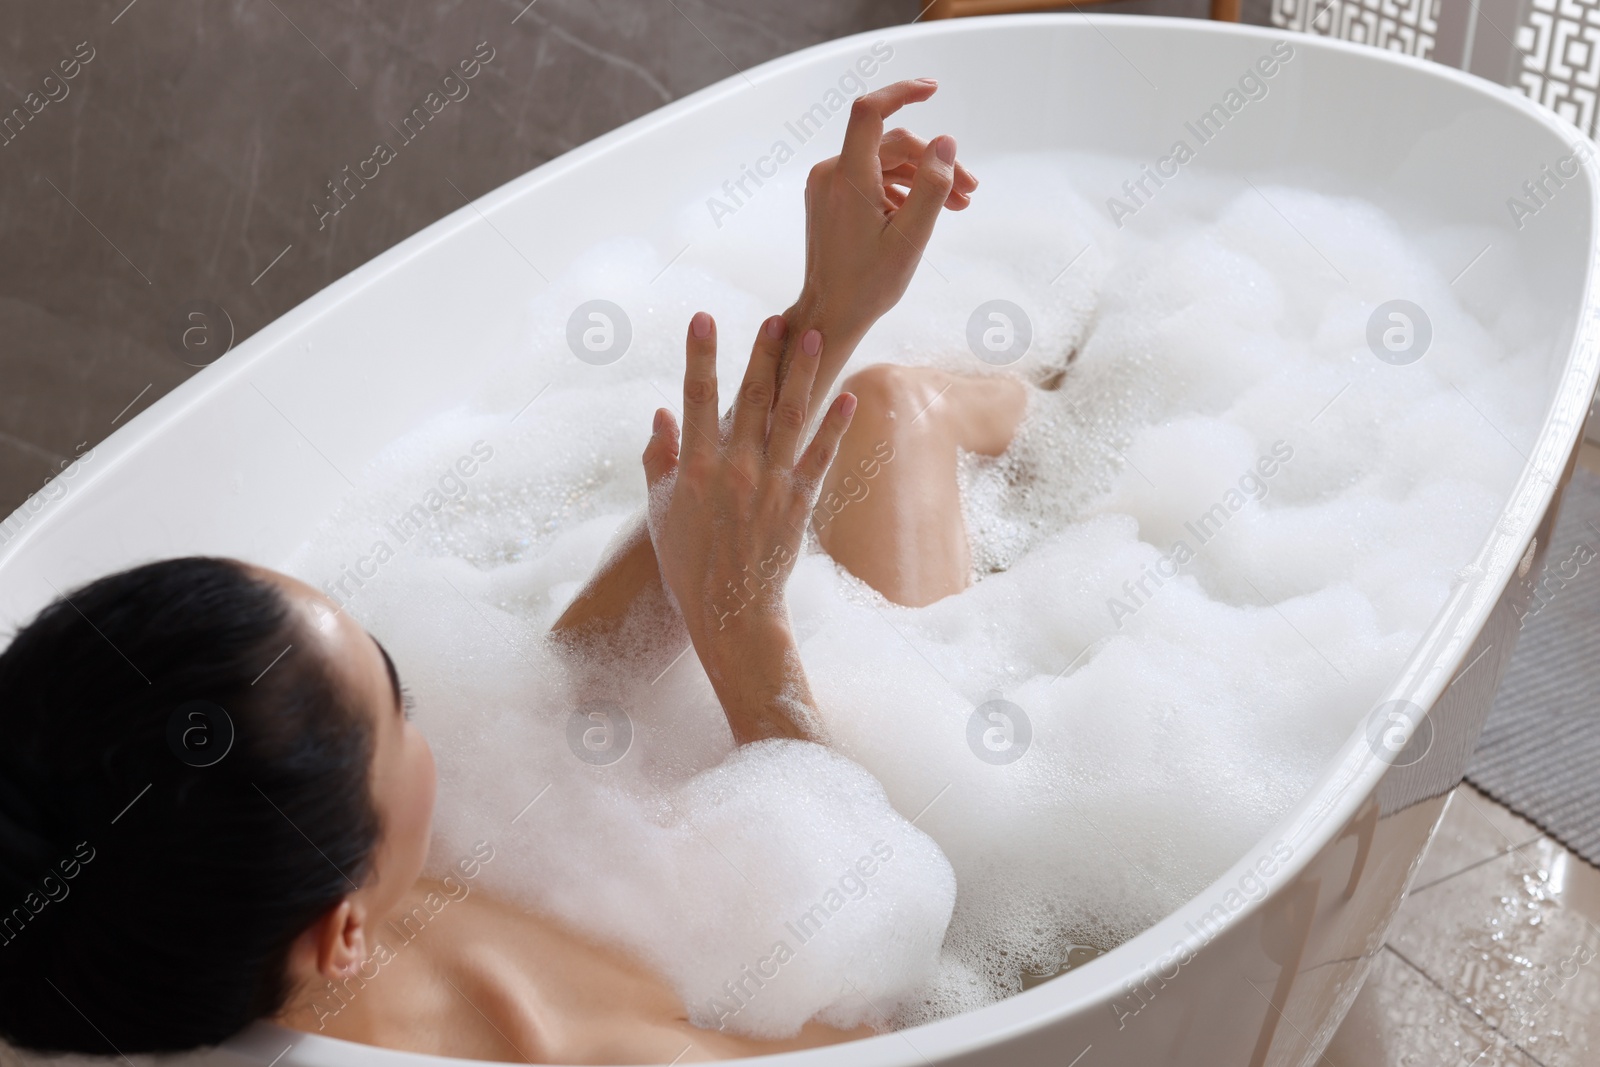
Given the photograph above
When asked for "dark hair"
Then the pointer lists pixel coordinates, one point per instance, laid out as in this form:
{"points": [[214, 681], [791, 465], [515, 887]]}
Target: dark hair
{"points": [[149, 891]]}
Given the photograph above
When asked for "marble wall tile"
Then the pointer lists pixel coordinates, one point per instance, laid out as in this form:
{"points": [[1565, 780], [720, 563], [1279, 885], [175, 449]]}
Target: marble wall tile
{"points": [[183, 160]]}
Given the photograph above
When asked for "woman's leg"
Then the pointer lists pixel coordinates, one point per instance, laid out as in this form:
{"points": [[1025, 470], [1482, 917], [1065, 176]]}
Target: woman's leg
{"points": [[889, 511], [890, 508]]}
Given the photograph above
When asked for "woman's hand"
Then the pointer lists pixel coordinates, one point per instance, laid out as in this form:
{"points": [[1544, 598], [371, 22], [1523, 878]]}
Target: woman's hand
{"points": [[869, 214], [729, 504], [870, 211]]}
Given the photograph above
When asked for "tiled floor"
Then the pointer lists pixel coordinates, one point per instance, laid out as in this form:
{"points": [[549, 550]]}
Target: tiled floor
{"points": [[1494, 958], [1589, 454]]}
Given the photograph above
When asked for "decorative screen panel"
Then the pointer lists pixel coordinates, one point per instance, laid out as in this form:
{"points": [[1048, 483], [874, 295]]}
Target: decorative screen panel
{"points": [[1409, 26], [1560, 45], [1549, 49]]}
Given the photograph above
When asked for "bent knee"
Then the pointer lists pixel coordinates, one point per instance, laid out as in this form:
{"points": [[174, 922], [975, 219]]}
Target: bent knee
{"points": [[894, 394]]}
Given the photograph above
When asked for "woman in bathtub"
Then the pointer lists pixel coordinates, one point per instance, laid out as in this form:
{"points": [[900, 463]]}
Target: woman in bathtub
{"points": [[147, 904]]}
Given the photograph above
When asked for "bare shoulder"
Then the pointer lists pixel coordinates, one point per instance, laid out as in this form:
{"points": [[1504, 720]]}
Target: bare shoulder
{"points": [[458, 971]]}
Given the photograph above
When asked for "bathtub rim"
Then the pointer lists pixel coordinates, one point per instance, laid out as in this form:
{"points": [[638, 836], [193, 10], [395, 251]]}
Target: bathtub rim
{"points": [[1349, 778]]}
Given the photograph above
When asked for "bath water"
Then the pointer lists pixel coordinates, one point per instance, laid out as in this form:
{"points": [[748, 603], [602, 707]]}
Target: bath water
{"points": [[1204, 556]]}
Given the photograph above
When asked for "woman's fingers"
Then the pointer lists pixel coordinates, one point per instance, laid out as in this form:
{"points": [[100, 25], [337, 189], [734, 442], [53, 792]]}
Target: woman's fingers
{"points": [[794, 401], [700, 385], [750, 411], [859, 157], [661, 454], [901, 180], [898, 156], [930, 189], [825, 445]]}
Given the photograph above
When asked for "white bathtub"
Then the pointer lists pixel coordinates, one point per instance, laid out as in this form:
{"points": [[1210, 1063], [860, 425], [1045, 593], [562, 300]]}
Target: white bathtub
{"points": [[226, 463]]}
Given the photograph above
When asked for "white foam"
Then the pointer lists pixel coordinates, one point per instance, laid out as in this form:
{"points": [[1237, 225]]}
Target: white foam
{"points": [[1167, 733]]}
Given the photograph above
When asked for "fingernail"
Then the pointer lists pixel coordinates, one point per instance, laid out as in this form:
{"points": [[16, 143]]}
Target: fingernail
{"points": [[847, 404], [927, 81], [811, 343], [700, 325], [947, 149], [775, 327], [657, 427]]}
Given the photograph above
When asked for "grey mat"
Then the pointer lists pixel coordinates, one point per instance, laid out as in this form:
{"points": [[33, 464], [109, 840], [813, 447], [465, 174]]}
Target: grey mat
{"points": [[1540, 750]]}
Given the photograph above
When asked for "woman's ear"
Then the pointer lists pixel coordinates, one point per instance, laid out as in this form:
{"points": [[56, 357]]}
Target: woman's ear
{"points": [[334, 946], [341, 937]]}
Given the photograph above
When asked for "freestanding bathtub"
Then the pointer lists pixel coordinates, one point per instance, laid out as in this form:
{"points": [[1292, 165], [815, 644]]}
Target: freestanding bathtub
{"points": [[246, 457]]}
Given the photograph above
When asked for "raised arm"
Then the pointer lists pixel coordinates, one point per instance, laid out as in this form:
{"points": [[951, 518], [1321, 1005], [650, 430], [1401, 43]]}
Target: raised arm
{"points": [[729, 502], [869, 214]]}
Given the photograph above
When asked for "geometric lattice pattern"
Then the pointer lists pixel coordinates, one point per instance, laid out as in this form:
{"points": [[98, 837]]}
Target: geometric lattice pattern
{"points": [[1408, 26], [1560, 42]]}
